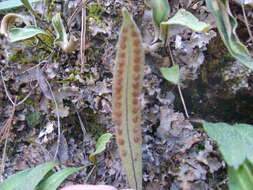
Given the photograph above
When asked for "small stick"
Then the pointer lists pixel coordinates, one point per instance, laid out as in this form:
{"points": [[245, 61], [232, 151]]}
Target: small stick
{"points": [[182, 99], [246, 21], [6, 91], [58, 120], [3, 161], [83, 33], [81, 124]]}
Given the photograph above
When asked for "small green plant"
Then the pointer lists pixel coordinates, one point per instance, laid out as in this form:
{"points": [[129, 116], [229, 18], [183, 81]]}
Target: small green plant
{"points": [[235, 142], [236, 145], [42, 177], [100, 147], [15, 34], [227, 24]]}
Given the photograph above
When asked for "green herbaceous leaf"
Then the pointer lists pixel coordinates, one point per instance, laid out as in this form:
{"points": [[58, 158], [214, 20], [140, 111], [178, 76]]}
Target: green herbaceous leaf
{"points": [[101, 145], [160, 10], [9, 4], [28, 6], [227, 25], [171, 74], [28, 179], [242, 178], [15, 180], [19, 34], [61, 35], [235, 141], [33, 178], [52, 182], [183, 18]]}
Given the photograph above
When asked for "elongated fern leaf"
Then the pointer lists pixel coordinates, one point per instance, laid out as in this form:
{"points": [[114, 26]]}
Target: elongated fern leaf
{"points": [[127, 85]]}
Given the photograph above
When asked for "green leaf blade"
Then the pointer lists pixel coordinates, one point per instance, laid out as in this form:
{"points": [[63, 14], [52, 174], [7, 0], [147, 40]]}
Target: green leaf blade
{"points": [[61, 35], [231, 140], [20, 34], [37, 175], [227, 24], [9, 4], [185, 18], [28, 6], [241, 178], [15, 180], [171, 74], [52, 182], [28, 179], [100, 146], [160, 10]]}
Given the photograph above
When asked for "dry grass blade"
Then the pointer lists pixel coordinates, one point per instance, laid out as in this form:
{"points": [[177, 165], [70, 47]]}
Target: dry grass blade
{"points": [[5, 129], [83, 34], [247, 22], [4, 134], [58, 120]]}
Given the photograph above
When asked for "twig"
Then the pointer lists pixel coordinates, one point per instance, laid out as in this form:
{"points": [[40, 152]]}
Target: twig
{"points": [[182, 99], [6, 91], [4, 134], [58, 121], [246, 21], [81, 124], [26, 97], [178, 85], [83, 33], [3, 161], [77, 10], [88, 176]]}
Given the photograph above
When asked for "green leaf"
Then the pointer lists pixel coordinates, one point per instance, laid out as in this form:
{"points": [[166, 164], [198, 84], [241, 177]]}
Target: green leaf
{"points": [[28, 6], [19, 34], [61, 35], [227, 25], [101, 145], [126, 107], [242, 178], [235, 141], [171, 74], [160, 10], [184, 18], [13, 181], [52, 182], [9, 4], [28, 179]]}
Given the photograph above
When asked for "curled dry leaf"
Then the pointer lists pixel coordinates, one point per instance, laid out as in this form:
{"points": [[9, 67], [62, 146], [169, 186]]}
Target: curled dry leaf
{"points": [[8, 20], [127, 85]]}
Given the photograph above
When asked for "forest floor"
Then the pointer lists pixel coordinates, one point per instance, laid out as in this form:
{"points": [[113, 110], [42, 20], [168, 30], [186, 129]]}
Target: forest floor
{"points": [[177, 154]]}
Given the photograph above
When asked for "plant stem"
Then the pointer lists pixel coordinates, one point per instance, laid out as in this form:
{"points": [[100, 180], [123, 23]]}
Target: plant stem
{"points": [[246, 22], [178, 85], [182, 99]]}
